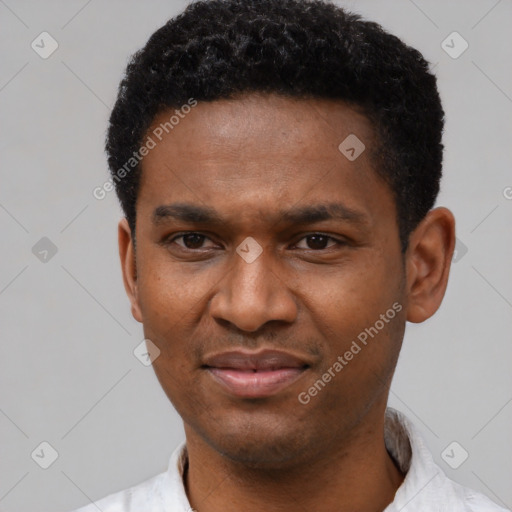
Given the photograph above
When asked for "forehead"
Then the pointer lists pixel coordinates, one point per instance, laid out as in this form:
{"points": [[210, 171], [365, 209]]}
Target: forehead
{"points": [[259, 154], [294, 128]]}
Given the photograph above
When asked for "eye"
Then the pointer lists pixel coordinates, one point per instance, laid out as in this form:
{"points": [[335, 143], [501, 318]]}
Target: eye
{"points": [[194, 241], [191, 241], [318, 241]]}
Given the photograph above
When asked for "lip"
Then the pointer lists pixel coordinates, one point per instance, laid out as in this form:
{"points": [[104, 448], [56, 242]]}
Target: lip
{"points": [[255, 374]]}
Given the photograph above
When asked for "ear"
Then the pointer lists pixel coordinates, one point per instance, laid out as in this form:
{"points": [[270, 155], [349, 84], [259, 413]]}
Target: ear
{"points": [[128, 265], [428, 261]]}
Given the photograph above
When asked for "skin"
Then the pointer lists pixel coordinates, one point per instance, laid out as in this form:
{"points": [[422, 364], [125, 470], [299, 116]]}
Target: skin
{"points": [[249, 158]]}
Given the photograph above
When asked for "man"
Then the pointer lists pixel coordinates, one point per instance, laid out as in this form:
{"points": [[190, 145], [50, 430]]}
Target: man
{"points": [[277, 162]]}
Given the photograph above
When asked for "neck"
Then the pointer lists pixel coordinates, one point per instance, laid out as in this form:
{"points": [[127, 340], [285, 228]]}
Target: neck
{"points": [[339, 479]]}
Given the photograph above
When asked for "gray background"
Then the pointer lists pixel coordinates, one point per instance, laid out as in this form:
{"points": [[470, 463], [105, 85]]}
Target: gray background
{"points": [[67, 370]]}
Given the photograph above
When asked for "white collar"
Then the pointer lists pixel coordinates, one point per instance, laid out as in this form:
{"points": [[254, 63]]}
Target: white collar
{"points": [[425, 487]]}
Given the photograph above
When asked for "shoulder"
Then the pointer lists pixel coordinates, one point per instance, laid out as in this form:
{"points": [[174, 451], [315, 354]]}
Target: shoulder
{"points": [[161, 493], [144, 496], [426, 487], [473, 501]]}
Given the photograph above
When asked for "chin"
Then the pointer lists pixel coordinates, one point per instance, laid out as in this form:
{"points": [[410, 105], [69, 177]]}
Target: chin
{"points": [[260, 446]]}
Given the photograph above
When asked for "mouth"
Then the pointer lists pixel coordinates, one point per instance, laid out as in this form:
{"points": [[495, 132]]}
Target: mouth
{"points": [[255, 375]]}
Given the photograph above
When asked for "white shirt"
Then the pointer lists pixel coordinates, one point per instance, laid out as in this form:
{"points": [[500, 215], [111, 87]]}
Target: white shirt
{"points": [[425, 487]]}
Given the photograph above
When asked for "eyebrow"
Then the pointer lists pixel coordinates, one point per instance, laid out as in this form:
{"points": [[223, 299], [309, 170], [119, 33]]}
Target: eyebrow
{"points": [[310, 214]]}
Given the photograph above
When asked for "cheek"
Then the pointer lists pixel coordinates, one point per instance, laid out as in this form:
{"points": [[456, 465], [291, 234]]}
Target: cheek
{"points": [[359, 315], [164, 302], [170, 293], [173, 299], [353, 296]]}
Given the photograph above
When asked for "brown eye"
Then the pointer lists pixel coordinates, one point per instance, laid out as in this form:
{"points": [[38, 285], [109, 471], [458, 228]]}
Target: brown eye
{"points": [[318, 242], [192, 241]]}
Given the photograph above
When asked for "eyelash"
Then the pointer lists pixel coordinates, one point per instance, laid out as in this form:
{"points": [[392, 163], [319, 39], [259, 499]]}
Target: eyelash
{"points": [[169, 240]]}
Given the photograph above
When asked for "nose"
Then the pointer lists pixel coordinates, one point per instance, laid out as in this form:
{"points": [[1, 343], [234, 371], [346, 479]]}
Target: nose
{"points": [[253, 294]]}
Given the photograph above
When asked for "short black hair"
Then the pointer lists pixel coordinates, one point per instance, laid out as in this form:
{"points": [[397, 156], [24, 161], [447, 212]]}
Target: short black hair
{"points": [[221, 49]]}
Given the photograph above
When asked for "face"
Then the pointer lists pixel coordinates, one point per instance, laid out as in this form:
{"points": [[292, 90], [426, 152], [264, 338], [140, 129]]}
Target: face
{"points": [[254, 232]]}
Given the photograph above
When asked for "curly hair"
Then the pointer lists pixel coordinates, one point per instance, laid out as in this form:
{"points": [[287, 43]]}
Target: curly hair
{"points": [[220, 49]]}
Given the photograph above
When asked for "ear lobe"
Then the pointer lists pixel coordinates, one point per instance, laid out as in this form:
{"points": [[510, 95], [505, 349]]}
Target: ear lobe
{"points": [[428, 262], [128, 266]]}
